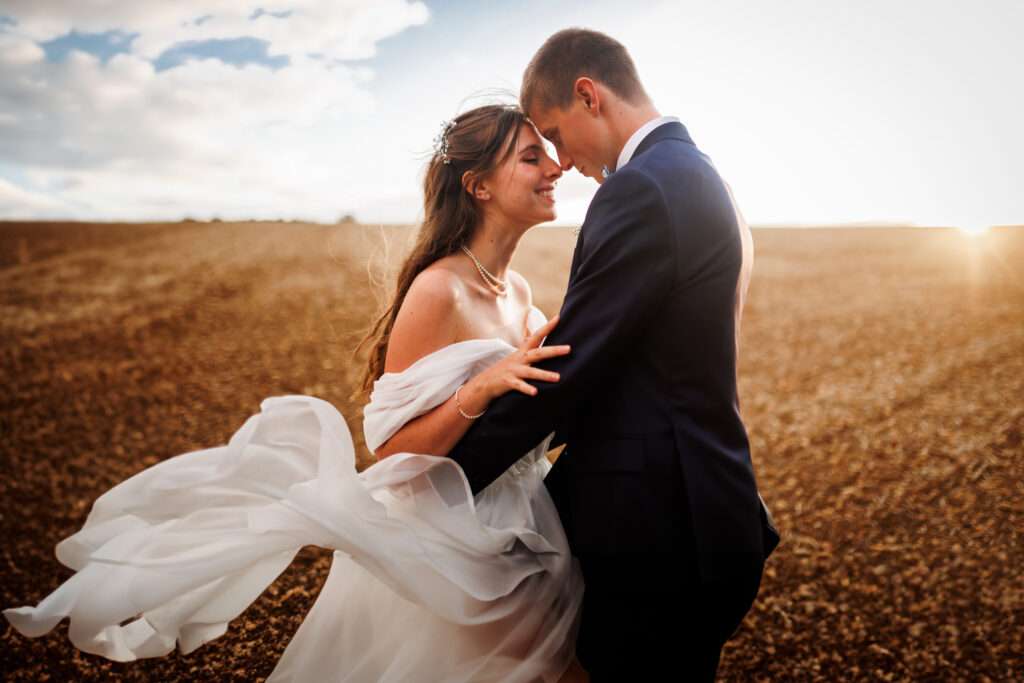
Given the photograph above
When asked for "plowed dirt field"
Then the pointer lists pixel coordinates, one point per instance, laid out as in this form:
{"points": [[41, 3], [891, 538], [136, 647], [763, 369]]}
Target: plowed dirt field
{"points": [[881, 381]]}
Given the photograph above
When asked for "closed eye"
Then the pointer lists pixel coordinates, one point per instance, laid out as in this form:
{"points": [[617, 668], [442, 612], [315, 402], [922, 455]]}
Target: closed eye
{"points": [[531, 153]]}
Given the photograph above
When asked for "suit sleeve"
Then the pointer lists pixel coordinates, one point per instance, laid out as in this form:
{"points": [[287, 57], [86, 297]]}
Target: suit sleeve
{"points": [[625, 269]]}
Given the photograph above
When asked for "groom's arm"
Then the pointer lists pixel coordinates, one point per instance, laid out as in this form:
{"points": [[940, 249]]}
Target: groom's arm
{"points": [[625, 269]]}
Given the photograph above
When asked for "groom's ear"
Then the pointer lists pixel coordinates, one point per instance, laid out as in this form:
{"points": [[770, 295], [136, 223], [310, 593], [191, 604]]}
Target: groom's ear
{"points": [[585, 90]]}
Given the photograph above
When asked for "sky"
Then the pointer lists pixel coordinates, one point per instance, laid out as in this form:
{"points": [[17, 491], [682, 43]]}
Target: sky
{"points": [[814, 111]]}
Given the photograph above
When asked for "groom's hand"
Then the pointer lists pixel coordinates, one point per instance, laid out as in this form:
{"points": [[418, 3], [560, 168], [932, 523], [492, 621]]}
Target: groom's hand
{"points": [[512, 371]]}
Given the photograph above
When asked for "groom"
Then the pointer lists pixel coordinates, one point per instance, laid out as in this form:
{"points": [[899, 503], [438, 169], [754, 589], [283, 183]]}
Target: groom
{"points": [[655, 488]]}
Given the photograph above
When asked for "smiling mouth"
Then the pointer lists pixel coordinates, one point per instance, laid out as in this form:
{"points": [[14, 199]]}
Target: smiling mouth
{"points": [[547, 193]]}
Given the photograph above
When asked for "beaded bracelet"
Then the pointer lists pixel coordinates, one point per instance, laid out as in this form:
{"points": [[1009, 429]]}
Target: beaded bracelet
{"points": [[459, 406]]}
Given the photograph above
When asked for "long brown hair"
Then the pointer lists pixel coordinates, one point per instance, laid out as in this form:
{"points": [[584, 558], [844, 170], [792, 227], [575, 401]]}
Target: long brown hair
{"points": [[450, 214]]}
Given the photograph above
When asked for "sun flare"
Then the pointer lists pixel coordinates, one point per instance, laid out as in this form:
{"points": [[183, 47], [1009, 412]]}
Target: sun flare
{"points": [[974, 230]]}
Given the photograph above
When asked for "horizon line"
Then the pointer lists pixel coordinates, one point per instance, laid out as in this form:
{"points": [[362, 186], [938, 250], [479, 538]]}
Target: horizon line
{"points": [[775, 225]]}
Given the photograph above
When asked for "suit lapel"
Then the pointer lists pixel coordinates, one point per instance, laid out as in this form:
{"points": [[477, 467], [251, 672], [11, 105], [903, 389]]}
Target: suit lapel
{"points": [[668, 131]]}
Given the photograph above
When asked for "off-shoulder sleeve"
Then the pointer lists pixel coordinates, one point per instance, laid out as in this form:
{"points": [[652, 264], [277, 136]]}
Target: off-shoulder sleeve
{"points": [[399, 397]]}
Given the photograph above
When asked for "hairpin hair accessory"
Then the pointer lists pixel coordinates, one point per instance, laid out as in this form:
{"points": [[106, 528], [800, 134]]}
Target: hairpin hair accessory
{"points": [[441, 141]]}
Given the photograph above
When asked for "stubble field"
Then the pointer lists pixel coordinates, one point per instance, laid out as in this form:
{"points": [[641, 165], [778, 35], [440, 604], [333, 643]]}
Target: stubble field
{"points": [[881, 381]]}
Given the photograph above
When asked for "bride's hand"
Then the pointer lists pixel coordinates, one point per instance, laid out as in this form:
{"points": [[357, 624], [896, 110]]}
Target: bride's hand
{"points": [[511, 371]]}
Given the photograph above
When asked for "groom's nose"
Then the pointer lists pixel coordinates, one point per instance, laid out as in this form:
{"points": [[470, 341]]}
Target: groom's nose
{"points": [[553, 170], [564, 160]]}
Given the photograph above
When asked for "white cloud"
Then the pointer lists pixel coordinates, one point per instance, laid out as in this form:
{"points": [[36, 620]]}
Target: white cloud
{"points": [[18, 50], [339, 29], [16, 202], [122, 139]]}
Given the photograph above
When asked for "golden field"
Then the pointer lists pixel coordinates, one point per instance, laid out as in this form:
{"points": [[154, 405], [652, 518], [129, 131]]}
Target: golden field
{"points": [[881, 381]]}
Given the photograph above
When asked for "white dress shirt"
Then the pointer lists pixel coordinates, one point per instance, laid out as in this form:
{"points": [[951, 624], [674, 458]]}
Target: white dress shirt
{"points": [[636, 138]]}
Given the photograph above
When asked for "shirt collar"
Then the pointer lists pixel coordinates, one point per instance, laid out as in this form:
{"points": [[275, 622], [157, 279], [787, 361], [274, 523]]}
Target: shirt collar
{"points": [[636, 138]]}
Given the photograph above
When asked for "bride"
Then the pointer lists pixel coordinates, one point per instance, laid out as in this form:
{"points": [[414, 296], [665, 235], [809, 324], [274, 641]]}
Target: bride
{"points": [[427, 581]]}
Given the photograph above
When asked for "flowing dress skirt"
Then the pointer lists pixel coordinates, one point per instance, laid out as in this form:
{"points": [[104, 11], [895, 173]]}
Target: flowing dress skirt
{"points": [[427, 582]]}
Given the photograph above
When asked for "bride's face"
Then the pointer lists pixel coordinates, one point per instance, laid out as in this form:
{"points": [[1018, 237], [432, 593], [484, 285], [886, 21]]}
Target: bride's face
{"points": [[521, 188]]}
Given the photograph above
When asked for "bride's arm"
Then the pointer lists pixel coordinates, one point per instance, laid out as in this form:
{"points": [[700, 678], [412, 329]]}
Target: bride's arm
{"points": [[428, 320], [438, 430]]}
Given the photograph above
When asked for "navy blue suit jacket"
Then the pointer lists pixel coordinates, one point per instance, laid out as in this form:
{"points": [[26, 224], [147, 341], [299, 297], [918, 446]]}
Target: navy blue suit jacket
{"points": [[648, 390]]}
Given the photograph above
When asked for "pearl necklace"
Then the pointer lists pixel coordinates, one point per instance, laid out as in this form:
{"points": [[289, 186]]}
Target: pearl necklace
{"points": [[493, 282]]}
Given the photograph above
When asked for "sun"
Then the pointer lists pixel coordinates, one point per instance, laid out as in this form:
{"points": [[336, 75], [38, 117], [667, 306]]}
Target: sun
{"points": [[974, 230]]}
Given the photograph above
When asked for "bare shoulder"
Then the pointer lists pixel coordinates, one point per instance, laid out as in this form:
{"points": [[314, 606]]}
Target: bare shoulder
{"points": [[521, 285], [426, 320]]}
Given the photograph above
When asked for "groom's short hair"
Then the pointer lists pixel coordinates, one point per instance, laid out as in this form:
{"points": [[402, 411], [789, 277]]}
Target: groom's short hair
{"points": [[573, 52]]}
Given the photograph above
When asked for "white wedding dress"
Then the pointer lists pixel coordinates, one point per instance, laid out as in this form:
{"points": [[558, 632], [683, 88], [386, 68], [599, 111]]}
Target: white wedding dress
{"points": [[427, 582]]}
